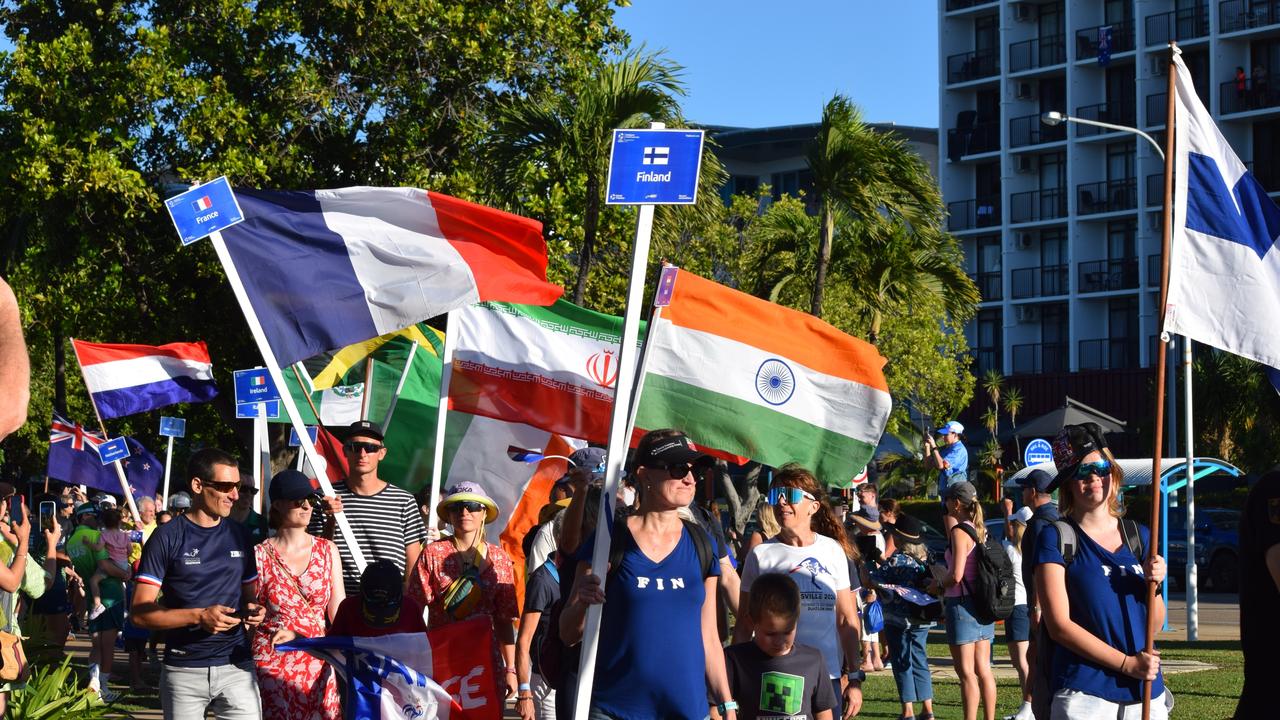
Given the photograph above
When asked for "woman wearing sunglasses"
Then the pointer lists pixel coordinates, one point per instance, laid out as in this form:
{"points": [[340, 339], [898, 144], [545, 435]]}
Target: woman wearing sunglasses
{"points": [[300, 585], [812, 548], [463, 576], [1093, 591]]}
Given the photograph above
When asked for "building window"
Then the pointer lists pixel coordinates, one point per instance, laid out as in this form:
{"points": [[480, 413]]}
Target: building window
{"points": [[988, 342]]}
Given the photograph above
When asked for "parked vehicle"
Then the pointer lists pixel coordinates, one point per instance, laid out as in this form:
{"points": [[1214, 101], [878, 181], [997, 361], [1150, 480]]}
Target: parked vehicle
{"points": [[1217, 548]]}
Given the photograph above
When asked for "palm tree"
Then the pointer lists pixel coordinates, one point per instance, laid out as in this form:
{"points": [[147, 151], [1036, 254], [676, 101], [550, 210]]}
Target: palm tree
{"points": [[1013, 405], [993, 382], [873, 176], [553, 143]]}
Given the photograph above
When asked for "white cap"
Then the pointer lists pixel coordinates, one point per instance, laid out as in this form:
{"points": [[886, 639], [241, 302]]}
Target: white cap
{"points": [[1023, 515]]}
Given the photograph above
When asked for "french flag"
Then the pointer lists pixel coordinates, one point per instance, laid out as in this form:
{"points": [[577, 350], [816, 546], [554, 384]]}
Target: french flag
{"points": [[203, 203], [327, 268], [128, 379]]}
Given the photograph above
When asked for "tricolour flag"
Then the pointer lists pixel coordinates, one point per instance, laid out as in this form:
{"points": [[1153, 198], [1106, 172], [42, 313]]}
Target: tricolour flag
{"points": [[327, 268], [128, 379], [1224, 268], [73, 458], [202, 204], [759, 380], [554, 367]]}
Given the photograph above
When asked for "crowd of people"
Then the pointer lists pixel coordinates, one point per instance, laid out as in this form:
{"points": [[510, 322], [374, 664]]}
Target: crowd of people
{"points": [[811, 597]]}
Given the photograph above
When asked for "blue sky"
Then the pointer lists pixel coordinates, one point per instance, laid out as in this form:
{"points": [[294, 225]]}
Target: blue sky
{"points": [[754, 63]]}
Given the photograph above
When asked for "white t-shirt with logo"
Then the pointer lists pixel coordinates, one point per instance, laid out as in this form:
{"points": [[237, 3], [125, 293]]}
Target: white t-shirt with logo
{"points": [[820, 571]]}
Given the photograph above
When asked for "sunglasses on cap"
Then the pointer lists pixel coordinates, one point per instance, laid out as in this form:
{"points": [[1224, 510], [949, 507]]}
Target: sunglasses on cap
{"points": [[792, 495], [470, 506], [368, 447], [1101, 468]]}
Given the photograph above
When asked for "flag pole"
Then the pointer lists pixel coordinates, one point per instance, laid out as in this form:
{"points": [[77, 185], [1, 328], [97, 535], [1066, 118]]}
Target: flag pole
{"points": [[305, 386], [642, 370], [286, 398], [617, 451], [1193, 591], [365, 402], [442, 412], [124, 481], [1158, 428], [395, 397], [168, 460], [263, 459]]}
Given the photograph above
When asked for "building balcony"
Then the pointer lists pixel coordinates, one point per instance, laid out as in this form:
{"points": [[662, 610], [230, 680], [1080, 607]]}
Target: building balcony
{"points": [[1036, 205], [1088, 39], [1153, 270], [972, 66], [1037, 53], [1157, 109], [1238, 15], [1109, 354], [953, 5], [1107, 196], [1028, 130], [1155, 190], [1254, 96], [980, 138], [990, 285], [976, 213], [1116, 113], [1106, 275], [986, 358], [1185, 24], [1045, 281], [1034, 358]]}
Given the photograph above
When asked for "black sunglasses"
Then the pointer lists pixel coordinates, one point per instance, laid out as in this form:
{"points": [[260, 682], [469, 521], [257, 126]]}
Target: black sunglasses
{"points": [[470, 506], [675, 470], [368, 448]]}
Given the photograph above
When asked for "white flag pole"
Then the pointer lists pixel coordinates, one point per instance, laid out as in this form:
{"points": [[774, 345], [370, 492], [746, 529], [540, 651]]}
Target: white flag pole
{"points": [[262, 461], [124, 481], [442, 412], [259, 417], [168, 462], [395, 397], [1193, 593], [286, 398], [617, 452]]}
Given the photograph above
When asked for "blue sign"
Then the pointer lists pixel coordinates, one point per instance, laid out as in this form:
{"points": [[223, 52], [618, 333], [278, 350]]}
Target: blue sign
{"points": [[254, 386], [654, 167], [250, 410], [113, 450], [173, 427], [294, 441], [1037, 451], [204, 210]]}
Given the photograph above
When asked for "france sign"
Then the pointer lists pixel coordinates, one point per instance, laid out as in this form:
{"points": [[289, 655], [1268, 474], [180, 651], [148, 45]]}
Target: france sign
{"points": [[654, 167], [204, 210], [1037, 451]]}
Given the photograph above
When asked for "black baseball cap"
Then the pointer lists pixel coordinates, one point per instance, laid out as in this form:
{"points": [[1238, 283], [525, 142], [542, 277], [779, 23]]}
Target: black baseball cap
{"points": [[664, 451], [290, 485], [364, 427], [381, 591]]}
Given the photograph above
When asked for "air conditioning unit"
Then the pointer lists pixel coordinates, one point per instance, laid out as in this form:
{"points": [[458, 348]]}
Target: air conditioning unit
{"points": [[1027, 313], [1024, 164], [1159, 66], [1022, 12], [1022, 239], [1024, 90]]}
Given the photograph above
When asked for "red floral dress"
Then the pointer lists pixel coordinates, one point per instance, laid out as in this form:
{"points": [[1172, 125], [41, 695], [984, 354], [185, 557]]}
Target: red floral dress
{"points": [[294, 685], [440, 563]]}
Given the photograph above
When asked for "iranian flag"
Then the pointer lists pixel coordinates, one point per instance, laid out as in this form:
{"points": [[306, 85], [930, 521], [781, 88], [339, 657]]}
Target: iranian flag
{"points": [[553, 368], [749, 377]]}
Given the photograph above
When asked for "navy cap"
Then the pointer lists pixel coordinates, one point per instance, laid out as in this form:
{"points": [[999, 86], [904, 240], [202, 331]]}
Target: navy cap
{"points": [[1037, 480], [290, 485], [591, 459], [364, 427]]}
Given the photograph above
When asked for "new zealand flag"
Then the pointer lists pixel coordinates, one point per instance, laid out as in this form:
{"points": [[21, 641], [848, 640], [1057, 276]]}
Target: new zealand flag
{"points": [[73, 458]]}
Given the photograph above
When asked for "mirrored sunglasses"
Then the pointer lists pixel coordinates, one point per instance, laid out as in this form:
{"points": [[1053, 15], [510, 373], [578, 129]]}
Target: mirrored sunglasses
{"points": [[1101, 468], [470, 506], [792, 495], [223, 487]]}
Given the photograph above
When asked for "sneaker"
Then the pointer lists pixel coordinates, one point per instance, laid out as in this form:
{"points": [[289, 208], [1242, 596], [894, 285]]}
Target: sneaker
{"points": [[97, 611], [108, 695]]}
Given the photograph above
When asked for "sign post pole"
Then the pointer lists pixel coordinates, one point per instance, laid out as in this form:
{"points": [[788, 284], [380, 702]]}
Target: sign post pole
{"points": [[168, 469], [170, 427]]}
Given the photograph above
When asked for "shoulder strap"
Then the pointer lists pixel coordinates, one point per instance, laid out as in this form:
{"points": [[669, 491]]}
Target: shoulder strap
{"points": [[550, 565], [1066, 540], [972, 533], [1132, 538], [702, 545], [616, 545]]}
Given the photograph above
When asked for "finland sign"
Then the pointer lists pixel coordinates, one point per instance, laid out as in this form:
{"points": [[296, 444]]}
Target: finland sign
{"points": [[204, 210], [1037, 451], [654, 167]]}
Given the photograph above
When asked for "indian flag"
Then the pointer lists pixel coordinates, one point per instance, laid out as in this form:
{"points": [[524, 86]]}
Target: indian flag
{"points": [[749, 377]]}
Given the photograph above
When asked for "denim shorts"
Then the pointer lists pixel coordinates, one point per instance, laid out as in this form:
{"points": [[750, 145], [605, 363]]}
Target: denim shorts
{"points": [[1017, 628], [962, 627]]}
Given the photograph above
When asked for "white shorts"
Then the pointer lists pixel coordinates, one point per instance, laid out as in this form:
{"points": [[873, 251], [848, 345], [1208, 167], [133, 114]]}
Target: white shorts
{"points": [[1076, 705]]}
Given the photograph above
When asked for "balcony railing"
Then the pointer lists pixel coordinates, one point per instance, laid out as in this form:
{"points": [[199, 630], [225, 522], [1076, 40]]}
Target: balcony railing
{"points": [[1087, 40], [1040, 358], [986, 358], [1106, 196], [981, 138], [1235, 15], [1256, 94], [963, 4], [1116, 113], [976, 213], [1109, 354], [1185, 24], [990, 286], [1028, 130], [1104, 275], [1034, 205], [1045, 281], [972, 66], [1153, 270], [1155, 190], [1037, 53], [1157, 109]]}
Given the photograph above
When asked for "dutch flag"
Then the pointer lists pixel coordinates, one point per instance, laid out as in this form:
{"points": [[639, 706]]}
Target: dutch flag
{"points": [[202, 204]]}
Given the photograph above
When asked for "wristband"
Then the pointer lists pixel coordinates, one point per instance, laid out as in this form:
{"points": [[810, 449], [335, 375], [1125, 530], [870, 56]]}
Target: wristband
{"points": [[726, 706], [511, 670], [522, 687], [855, 676]]}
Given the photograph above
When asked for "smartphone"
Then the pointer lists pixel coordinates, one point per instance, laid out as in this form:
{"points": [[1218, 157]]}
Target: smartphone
{"points": [[243, 613], [48, 515], [15, 509]]}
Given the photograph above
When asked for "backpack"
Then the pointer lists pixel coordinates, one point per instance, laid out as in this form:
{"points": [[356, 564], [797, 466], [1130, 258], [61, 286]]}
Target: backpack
{"points": [[557, 660], [994, 586]]}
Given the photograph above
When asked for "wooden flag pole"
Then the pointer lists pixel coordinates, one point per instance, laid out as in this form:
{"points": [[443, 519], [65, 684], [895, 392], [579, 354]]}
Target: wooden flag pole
{"points": [[395, 397], [1158, 441]]}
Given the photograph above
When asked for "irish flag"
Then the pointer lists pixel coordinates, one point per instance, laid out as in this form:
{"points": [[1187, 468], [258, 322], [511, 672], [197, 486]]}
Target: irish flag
{"points": [[749, 377]]}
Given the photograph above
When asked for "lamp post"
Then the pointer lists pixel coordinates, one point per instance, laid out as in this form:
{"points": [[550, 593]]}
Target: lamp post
{"points": [[1054, 118]]}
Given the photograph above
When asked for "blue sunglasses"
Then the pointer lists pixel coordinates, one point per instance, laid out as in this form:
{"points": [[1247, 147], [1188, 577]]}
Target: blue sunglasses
{"points": [[792, 495], [1101, 468]]}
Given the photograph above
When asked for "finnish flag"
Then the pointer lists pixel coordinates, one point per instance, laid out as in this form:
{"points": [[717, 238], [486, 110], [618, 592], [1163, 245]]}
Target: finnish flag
{"points": [[1224, 267], [656, 155]]}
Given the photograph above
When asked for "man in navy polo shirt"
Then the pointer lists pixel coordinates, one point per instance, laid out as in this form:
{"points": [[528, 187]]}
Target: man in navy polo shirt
{"points": [[204, 564]]}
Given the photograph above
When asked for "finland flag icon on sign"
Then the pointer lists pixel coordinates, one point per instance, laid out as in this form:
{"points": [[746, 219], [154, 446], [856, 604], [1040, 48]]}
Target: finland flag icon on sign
{"points": [[656, 155]]}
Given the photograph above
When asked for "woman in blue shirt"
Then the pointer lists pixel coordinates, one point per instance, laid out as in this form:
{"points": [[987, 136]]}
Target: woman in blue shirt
{"points": [[1094, 604]]}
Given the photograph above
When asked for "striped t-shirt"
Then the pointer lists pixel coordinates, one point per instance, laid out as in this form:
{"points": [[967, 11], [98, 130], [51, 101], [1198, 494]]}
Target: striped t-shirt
{"points": [[383, 524]]}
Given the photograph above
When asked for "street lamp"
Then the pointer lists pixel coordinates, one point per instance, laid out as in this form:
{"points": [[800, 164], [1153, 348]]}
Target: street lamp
{"points": [[1053, 118]]}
